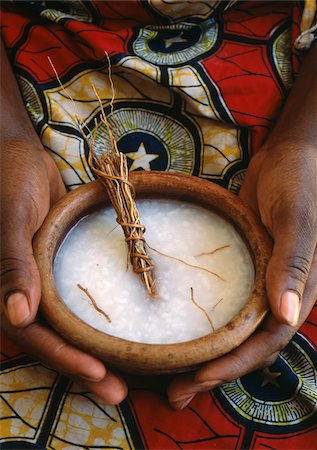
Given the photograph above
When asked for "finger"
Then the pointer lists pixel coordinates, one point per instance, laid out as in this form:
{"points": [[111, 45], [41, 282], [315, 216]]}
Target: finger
{"points": [[111, 389], [50, 348], [20, 282], [257, 352], [295, 240], [248, 191], [182, 390], [57, 187]]}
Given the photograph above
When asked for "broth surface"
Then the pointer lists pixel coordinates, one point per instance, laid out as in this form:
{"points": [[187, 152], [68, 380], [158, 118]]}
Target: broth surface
{"points": [[187, 243]]}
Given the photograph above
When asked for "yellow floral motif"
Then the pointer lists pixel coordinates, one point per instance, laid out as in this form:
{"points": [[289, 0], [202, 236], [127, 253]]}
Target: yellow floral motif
{"points": [[24, 393], [198, 99], [221, 148], [69, 156], [84, 422], [80, 420]]}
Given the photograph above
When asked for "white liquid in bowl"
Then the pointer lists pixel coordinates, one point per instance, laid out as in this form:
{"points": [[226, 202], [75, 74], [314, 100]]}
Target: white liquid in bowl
{"points": [[94, 255]]}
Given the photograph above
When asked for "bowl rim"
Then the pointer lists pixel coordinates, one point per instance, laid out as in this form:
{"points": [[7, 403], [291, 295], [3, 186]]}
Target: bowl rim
{"points": [[137, 357]]}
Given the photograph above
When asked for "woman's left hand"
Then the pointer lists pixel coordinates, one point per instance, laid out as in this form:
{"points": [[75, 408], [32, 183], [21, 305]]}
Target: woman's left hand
{"points": [[281, 187]]}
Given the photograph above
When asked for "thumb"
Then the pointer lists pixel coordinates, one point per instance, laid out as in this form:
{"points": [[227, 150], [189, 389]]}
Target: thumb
{"points": [[20, 281], [290, 265]]}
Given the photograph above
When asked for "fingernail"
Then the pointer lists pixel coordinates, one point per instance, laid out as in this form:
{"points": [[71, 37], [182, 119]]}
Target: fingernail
{"points": [[95, 378], [18, 309], [289, 307], [183, 401], [94, 373], [91, 379], [206, 385]]}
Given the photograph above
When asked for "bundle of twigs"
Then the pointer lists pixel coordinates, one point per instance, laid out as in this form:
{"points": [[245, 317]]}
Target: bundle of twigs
{"points": [[112, 169]]}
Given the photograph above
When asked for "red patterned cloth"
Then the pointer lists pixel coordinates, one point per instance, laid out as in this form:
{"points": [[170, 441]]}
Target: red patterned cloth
{"points": [[216, 74]]}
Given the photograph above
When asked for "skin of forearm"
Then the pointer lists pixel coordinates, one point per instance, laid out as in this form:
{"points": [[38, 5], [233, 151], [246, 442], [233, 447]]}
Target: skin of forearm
{"points": [[297, 122], [288, 157], [15, 123], [21, 154]]}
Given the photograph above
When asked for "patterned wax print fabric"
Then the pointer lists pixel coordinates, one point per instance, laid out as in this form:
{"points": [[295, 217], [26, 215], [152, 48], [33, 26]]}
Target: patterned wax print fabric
{"points": [[198, 86]]}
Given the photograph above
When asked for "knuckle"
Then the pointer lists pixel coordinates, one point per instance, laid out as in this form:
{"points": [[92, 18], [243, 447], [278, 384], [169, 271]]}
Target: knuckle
{"points": [[298, 268], [12, 273], [237, 366], [61, 354], [9, 264], [270, 360], [59, 350]]}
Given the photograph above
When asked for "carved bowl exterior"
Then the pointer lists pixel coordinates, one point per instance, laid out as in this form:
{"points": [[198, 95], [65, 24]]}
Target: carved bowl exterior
{"points": [[135, 357]]}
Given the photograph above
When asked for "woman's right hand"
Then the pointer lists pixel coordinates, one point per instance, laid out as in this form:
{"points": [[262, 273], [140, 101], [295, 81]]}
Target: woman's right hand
{"points": [[30, 185], [28, 188]]}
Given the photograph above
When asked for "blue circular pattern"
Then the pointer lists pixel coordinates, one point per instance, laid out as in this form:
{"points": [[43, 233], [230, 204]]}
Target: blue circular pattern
{"points": [[176, 44], [150, 137], [279, 399]]}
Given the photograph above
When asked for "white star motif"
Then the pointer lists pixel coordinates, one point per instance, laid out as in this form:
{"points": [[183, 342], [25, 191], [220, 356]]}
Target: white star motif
{"points": [[174, 40], [141, 159]]}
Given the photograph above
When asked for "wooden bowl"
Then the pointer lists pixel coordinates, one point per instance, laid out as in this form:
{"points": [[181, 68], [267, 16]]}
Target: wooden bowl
{"points": [[137, 357]]}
